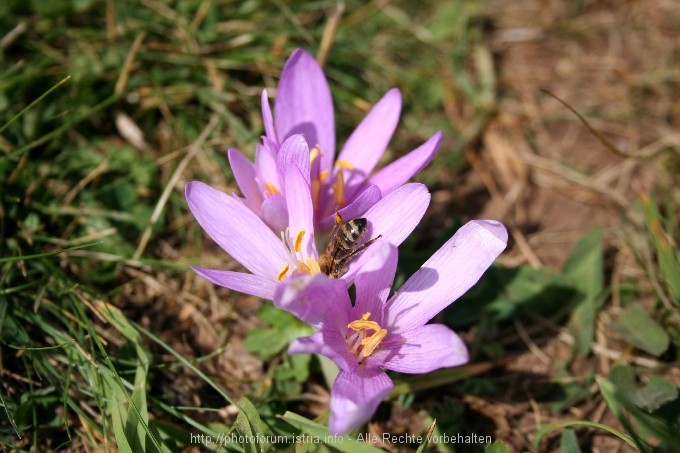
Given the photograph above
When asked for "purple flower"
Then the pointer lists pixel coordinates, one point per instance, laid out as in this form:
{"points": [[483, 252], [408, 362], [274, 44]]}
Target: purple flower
{"points": [[272, 258], [303, 105], [375, 333]]}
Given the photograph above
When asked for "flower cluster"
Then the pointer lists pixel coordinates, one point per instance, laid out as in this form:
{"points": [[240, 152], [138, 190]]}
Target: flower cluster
{"points": [[295, 190]]}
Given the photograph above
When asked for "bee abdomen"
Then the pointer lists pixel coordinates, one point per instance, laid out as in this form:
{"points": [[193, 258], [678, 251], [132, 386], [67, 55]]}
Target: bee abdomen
{"points": [[351, 232]]}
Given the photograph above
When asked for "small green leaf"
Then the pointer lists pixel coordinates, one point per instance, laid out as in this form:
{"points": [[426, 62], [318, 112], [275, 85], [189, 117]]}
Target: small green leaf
{"points": [[584, 270], [118, 408], [655, 394], [569, 442], [623, 378], [624, 399], [640, 330], [249, 426], [284, 329]]}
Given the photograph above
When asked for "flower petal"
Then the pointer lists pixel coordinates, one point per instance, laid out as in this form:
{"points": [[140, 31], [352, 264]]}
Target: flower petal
{"points": [[356, 264], [300, 210], [245, 176], [327, 343], [239, 281], [275, 213], [268, 119], [396, 215], [369, 140], [373, 282], [312, 297], [235, 228], [402, 169], [304, 105], [355, 397], [447, 275], [355, 209], [294, 150], [265, 165], [423, 349]]}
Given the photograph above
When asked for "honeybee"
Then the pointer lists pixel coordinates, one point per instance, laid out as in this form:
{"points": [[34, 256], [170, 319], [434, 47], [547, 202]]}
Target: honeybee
{"points": [[343, 245]]}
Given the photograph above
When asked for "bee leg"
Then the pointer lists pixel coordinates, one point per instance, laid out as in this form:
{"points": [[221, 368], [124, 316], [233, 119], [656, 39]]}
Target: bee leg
{"points": [[365, 245]]}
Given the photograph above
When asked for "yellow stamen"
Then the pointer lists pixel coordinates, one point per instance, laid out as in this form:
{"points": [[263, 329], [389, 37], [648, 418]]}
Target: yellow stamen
{"points": [[372, 342], [313, 266], [339, 189], [345, 164], [271, 189], [298, 241], [365, 318], [369, 343], [323, 176], [302, 267], [314, 153], [283, 272], [361, 325]]}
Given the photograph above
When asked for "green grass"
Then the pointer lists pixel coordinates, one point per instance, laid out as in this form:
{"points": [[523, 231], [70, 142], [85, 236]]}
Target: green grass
{"points": [[100, 316]]}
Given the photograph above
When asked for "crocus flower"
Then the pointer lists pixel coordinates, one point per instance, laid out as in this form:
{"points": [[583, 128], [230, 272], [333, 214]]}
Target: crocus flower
{"points": [[303, 105], [272, 258], [375, 333]]}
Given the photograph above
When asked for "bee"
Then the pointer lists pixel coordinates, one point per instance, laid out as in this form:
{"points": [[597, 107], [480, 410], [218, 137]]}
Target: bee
{"points": [[343, 245]]}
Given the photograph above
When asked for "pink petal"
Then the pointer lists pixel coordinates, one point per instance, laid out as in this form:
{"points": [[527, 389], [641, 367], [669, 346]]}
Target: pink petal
{"points": [[424, 349], [244, 173], [238, 281], [235, 228], [369, 140], [327, 343], [304, 105], [275, 213], [447, 275], [313, 344], [268, 119], [402, 169], [396, 215], [300, 210], [311, 297], [373, 282], [294, 150], [266, 167], [355, 398], [355, 209], [357, 263]]}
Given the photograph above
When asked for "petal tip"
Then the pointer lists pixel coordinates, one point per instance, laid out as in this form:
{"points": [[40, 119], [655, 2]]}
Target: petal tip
{"points": [[189, 187], [494, 227]]}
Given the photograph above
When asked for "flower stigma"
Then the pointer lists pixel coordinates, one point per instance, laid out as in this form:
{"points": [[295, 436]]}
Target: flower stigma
{"points": [[314, 153], [362, 344], [339, 189]]}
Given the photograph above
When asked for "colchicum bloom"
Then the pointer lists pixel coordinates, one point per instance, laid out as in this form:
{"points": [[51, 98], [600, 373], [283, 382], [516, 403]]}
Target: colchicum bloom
{"points": [[375, 333], [272, 258], [303, 105]]}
